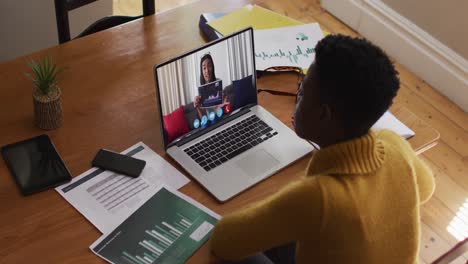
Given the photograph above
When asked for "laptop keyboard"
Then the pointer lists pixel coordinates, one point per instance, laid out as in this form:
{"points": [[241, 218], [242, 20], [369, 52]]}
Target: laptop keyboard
{"points": [[230, 142]]}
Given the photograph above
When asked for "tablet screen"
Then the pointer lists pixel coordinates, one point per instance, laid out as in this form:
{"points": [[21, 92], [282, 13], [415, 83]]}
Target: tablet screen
{"points": [[211, 94], [35, 164]]}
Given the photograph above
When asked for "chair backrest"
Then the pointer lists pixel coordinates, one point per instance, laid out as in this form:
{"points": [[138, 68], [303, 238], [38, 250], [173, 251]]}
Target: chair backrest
{"points": [[62, 7], [457, 251]]}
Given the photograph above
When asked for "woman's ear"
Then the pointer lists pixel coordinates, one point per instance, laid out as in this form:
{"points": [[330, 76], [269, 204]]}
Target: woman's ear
{"points": [[325, 112]]}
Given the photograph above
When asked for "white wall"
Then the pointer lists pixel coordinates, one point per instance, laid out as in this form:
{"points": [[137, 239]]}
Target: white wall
{"points": [[445, 20], [29, 25]]}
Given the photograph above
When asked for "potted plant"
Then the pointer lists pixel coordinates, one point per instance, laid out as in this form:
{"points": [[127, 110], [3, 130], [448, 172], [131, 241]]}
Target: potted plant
{"points": [[47, 102]]}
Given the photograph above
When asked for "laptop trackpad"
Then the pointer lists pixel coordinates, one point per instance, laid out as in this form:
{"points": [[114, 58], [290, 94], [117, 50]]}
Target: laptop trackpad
{"points": [[257, 163]]}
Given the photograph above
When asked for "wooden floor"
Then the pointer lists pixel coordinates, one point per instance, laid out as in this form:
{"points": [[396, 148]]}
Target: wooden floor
{"points": [[448, 160]]}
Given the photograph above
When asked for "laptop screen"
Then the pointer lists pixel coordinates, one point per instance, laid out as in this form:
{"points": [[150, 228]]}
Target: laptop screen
{"points": [[200, 89]]}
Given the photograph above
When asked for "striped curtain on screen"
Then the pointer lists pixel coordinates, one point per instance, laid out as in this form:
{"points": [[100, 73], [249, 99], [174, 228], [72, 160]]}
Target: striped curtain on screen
{"points": [[240, 56], [177, 83]]}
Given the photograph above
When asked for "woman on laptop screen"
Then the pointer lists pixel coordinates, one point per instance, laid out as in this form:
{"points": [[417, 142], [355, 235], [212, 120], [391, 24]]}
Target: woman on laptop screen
{"points": [[207, 71], [210, 99]]}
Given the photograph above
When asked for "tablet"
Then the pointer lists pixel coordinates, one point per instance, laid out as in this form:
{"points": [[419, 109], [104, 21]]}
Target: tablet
{"points": [[211, 94], [35, 164]]}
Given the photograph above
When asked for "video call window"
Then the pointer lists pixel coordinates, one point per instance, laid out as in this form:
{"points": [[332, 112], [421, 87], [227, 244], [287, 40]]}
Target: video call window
{"points": [[202, 88]]}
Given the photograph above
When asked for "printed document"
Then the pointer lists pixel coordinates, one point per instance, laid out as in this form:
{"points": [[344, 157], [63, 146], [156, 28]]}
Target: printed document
{"points": [[106, 198], [168, 228]]}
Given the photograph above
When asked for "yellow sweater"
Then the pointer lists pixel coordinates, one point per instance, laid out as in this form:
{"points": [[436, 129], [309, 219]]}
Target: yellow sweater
{"points": [[358, 203]]}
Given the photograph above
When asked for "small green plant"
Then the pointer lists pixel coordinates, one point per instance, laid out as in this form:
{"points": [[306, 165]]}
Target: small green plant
{"points": [[44, 74]]}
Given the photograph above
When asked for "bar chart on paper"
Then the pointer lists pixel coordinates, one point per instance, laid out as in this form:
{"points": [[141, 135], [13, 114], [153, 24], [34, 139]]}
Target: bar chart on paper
{"points": [[166, 229], [160, 239]]}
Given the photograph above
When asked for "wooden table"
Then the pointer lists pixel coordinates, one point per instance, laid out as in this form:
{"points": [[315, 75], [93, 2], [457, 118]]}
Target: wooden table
{"points": [[109, 102]]}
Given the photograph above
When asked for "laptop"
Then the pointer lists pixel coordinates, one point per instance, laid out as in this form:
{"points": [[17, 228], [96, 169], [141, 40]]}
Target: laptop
{"points": [[230, 146], [211, 94]]}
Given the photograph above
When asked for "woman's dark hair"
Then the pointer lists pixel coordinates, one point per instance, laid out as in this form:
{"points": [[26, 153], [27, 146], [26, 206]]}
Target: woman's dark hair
{"points": [[206, 57], [357, 77]]}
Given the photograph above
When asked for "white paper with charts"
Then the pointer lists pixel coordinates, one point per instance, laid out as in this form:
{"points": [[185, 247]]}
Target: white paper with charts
{"points": [[106, 198]]}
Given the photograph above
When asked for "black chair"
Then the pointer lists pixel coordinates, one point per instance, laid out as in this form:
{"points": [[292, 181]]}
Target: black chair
{"points": [[62, 7]]}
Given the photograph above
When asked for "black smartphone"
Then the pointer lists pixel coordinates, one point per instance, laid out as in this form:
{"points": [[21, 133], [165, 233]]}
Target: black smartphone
{"points": [[120, 163]]}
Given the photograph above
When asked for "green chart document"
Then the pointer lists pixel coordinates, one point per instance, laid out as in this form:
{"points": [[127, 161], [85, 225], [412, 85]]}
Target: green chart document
{"points": [[168, 228]]}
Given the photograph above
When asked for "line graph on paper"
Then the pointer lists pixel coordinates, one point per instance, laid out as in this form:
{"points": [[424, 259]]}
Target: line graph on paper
{"points": [[293, 56], [287, 46]]}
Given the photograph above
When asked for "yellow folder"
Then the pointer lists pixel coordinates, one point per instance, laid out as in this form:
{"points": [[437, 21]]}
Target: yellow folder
{"points": [[251, 15]]}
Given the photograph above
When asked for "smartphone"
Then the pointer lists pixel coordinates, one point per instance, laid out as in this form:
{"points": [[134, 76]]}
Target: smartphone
{"points": [[120, 163]]}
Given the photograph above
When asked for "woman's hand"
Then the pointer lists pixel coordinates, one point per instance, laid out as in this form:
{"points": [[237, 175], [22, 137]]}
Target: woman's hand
{"points": [[196, 104], [196, 101]]}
